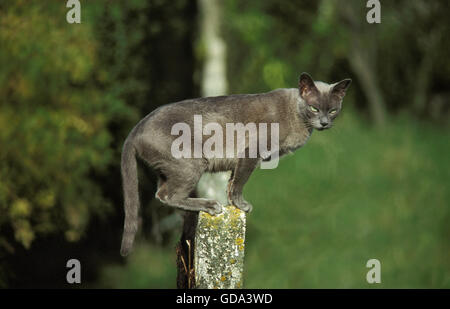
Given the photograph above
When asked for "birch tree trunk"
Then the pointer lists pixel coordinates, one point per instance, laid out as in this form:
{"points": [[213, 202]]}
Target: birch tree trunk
{"points": [[214, 83]]}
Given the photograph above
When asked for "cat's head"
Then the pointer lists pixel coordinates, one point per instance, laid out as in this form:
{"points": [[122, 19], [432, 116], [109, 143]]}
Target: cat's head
{"points": [[323, 101]]}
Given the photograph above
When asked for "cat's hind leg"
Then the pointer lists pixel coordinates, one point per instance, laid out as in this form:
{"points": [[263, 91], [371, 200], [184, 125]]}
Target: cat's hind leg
{"points": [[179, 183]]}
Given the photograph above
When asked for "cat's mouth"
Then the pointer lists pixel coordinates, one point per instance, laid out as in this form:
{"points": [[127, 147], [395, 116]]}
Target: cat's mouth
{"points": [[315, 124], [321, 128]]}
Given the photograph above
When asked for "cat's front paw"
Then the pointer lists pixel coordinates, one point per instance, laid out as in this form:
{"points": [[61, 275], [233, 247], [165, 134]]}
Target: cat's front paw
{"points": [[241, 204], [214, 208]]}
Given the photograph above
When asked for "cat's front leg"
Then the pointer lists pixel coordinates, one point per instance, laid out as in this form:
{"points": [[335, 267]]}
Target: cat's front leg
{"points": [[241, 174]]}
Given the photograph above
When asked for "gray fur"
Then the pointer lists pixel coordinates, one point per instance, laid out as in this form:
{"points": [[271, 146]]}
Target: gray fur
{"points": [[151, 140]]}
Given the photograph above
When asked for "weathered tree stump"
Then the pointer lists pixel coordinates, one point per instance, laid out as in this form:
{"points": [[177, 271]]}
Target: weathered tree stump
{"points": [[219, 250], [211, 250]]}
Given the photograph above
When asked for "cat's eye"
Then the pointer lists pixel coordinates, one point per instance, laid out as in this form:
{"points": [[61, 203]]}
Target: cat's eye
{"points": [[333, 111], [313, 109]]}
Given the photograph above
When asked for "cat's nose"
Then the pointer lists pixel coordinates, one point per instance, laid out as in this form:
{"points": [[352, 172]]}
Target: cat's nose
{"points": [[324, 122]]}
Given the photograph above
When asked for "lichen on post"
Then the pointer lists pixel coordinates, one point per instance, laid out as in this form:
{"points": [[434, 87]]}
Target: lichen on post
{"points": [[219, 249]]}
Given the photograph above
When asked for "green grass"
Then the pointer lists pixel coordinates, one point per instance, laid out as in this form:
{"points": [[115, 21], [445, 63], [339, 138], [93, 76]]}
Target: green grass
{"points": [[149, 267], [351, 194]]}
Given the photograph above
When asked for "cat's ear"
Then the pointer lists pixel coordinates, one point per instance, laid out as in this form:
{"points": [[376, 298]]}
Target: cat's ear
{"points": [[306, 85], [341, 87]]}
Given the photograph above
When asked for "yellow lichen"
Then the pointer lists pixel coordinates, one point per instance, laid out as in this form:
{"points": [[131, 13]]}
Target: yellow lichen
{"points": [[239, 241]]}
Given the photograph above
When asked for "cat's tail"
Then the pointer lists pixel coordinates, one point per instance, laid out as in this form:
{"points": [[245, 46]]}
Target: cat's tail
{"points": [[131, 196]]}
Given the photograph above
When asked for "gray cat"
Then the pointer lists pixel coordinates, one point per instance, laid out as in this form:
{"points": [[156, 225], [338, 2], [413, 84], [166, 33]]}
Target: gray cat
{"points": [[313, 105]]}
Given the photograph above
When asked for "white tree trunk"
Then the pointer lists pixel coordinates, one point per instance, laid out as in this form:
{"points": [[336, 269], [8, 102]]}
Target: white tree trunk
{"points": [[214, 83]]}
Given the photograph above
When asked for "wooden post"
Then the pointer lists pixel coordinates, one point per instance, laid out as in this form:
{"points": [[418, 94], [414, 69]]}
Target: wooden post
{"points": [[210, 254], [219, 250]]}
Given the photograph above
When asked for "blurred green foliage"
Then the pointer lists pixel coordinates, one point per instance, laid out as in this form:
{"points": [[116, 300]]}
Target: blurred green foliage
{"points": [[53, 123], [69, 94], [398, 65]]}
